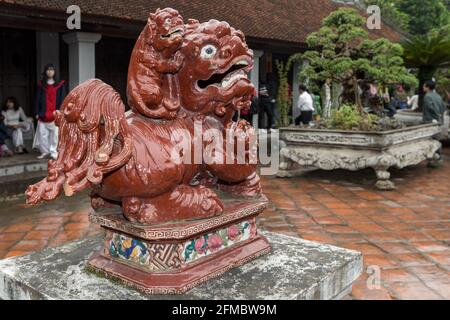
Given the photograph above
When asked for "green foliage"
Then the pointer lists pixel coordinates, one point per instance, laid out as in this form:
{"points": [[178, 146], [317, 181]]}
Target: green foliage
{"points": [[431, 50], [348, 118], [386, 64], [390, 12], [428, 53], [424, 15], [443, 81], [284, 101], [414, 16]]}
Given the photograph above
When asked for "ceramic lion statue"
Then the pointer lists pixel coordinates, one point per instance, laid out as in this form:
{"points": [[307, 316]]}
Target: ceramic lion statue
{"points": [[132, 159]]}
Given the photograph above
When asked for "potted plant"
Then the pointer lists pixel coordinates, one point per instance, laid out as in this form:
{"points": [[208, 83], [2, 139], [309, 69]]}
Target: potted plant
{"points": [[352, 138]]}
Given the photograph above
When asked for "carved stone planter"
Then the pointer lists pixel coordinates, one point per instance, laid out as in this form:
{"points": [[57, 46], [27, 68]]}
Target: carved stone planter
{"points": [[409, 117], [353, 150]]}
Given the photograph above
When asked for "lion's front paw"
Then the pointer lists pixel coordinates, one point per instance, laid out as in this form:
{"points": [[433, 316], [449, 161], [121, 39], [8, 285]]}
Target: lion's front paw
{"points": [[250, 187], [210, 204]]}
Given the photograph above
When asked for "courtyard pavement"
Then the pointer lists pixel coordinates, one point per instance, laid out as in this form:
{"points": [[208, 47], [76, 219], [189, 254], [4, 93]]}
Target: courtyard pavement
{"points": [[404, 234]]}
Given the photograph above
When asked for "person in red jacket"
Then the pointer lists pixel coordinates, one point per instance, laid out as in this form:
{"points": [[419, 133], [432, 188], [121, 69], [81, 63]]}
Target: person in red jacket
{"points": [[50, 95]]}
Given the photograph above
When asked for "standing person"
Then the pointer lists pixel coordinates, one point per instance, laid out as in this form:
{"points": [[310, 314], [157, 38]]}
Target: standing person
{"points": [[265, 107], [433, 105], [50, 96], [16, 123], [305, 104], [326, 101]]}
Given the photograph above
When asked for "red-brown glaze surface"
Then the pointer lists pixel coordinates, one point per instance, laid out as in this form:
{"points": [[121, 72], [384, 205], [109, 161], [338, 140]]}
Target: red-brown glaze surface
{"points": [[179, 76], [154, 58]]}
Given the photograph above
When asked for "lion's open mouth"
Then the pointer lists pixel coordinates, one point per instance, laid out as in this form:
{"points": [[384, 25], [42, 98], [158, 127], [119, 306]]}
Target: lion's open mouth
{"points": [[173, 33], [227, 78]]}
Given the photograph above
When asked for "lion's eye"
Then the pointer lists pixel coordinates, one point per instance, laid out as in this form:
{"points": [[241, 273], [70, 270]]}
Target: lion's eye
{"points": [[168, 21], [208, 51]]}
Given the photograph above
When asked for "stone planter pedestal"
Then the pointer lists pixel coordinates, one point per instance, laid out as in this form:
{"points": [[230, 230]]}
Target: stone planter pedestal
{"points": [[355, 150]]}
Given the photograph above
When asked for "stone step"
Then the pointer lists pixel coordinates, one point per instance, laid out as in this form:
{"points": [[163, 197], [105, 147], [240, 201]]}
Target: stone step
{"points": [[18, 172], [14, 186], [21, 164]]}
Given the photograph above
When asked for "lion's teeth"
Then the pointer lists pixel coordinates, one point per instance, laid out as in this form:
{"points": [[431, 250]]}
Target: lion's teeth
{"points": [[229, 80], [242, 63]]}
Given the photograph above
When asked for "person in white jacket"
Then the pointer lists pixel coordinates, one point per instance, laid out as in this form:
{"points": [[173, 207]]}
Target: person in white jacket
{"points": [[305, 105], [413, 102]]}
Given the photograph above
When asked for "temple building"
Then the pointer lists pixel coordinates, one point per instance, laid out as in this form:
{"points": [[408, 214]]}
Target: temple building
{"points": [[35, 32]]}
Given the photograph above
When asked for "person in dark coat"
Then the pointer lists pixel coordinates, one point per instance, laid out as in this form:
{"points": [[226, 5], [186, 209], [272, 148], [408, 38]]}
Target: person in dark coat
{"points": [[433, 105], [265, 107], [50, 96]]}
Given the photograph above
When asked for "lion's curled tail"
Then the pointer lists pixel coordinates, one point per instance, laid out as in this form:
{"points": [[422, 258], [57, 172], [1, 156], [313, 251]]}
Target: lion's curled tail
{"points": [[94, 139]]}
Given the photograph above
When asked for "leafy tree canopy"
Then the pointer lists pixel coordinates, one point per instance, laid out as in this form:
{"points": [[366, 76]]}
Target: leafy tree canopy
{"points": [[414, 16], [424, 15], [390, 12], [429, 50]]}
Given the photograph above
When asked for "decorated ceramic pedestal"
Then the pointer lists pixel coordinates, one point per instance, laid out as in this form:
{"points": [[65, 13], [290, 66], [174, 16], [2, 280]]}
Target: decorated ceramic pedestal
{"points": [[172, 258]]}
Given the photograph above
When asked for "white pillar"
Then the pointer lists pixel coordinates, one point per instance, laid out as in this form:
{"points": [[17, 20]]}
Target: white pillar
{"points": [[295, 93], [47, 51], [254, 78], [81, 56]]}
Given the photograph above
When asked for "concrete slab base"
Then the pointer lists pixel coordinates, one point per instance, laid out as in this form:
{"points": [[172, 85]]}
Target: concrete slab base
{"points": [[295, 269]]}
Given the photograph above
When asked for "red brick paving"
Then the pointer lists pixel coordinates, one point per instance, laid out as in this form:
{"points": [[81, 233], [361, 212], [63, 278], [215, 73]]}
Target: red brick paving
{"points": [[405, 233], [36, 232]]}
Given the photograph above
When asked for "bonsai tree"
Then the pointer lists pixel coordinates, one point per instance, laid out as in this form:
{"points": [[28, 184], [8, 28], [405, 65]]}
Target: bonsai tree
{"points": [[428, 53], [386, 64], [343, 52]]}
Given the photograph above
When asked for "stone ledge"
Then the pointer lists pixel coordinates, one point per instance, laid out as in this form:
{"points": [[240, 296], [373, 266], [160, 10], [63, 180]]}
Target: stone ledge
{"points": [[295, 269]]}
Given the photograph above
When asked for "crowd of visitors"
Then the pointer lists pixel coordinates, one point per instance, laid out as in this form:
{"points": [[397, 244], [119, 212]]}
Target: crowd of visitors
{"points": [[319, 104]]}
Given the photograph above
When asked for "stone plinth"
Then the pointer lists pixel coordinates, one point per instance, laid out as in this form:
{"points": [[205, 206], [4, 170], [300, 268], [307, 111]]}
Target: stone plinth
{"points": [[294, 269], [172, 258]]}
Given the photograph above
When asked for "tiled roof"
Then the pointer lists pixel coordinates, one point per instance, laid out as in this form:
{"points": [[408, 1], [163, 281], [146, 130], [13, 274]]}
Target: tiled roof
{"points": [[285, 20]]}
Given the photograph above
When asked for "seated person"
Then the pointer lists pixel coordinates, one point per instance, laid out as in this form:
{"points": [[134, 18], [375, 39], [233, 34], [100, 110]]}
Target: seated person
{"points": [[16, 123], [413, 102], [4, 135]]}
